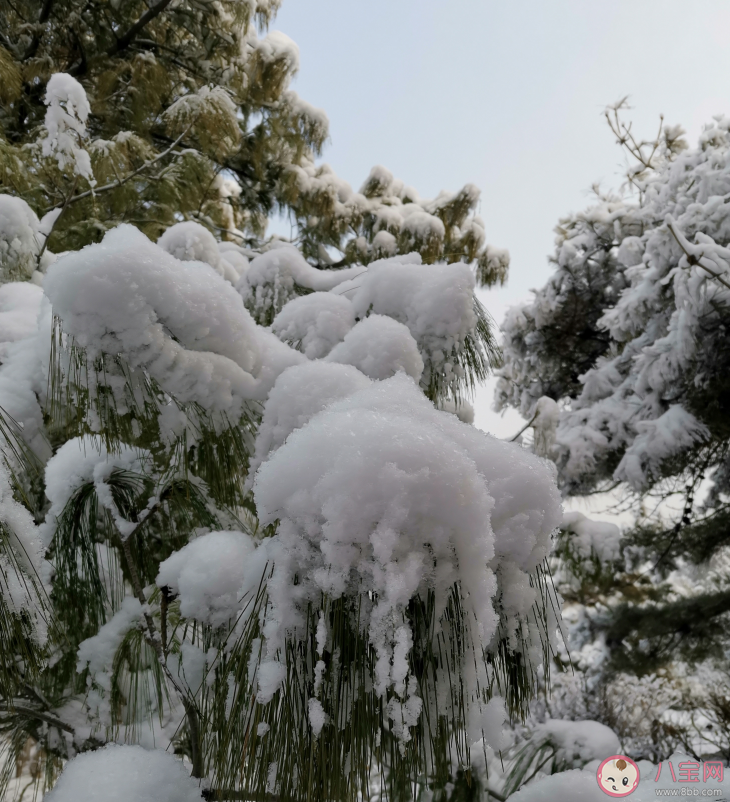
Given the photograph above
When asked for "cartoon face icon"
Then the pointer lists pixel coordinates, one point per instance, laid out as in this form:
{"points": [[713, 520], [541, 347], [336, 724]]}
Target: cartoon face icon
{"points": [[618, 775]]}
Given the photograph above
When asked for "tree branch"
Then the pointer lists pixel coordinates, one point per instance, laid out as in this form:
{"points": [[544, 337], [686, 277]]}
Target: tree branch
{"points": [[156, 643], [691, 258], [42, 18], [41, 715], [125, 40], [117, 184]]}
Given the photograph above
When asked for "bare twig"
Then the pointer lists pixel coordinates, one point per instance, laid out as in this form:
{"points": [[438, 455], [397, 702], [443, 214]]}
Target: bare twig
{"points": [[524, 428]]}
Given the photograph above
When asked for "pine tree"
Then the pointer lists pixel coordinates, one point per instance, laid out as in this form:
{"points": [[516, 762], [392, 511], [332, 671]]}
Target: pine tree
{"points": [[191, 117], [629, 337], [267, 550]]}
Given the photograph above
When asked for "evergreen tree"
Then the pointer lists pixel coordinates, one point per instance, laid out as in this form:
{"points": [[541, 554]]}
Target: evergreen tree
{"points": [[270, 551], [190, 116], [629, 337]]}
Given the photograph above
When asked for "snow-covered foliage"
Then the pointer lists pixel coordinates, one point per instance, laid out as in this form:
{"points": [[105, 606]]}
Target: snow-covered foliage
{"points": [[579, 785], [277, 276], [19, 235], [639, 300], [398, 518], [388, 216], [191, 242], [315, 323], [627, 345], [65, 123], [219, 491], [159, 390]]}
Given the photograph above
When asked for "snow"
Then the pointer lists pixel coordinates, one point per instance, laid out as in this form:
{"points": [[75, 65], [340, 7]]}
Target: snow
{"points": [[317, 716], [233, 257], [20, 305], [97, 652], [211, 102], [575, 785], [85, 460], [592, 538], [270, 675], [647, 277], [380, 492], [66, 115], [19, 238], [125, 774], [25, 574], [277, 46], [379, 347], [581, 785], [656, 440], [545, 424], [300, 393], [578, 742], [191, 242], [273, 277], [315, 323], [208, 574], [435, 302], [464, 411], [24, 381], [178, 320]]}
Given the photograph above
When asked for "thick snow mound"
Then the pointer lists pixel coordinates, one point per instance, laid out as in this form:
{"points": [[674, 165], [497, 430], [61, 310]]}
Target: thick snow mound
{"points": [[525, 505], [233, 257], [300, 393], [377, 501], [191, 242], [315, 323], [382, 492], [379, 347], [179, 320], [125, 774], [578, 742], [575, 785]]}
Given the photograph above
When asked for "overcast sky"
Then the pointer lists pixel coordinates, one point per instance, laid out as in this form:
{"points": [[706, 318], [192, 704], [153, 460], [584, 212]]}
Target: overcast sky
{"points": [[507, 95]]}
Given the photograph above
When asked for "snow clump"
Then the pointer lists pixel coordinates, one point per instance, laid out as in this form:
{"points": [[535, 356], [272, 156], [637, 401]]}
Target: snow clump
{"points": [[125, 774], [19, 238], [315, 323], [66, 115], [379, 347]]}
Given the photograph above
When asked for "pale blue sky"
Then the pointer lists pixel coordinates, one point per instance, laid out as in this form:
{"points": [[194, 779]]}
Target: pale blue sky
{"points": [[507, 95]]}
